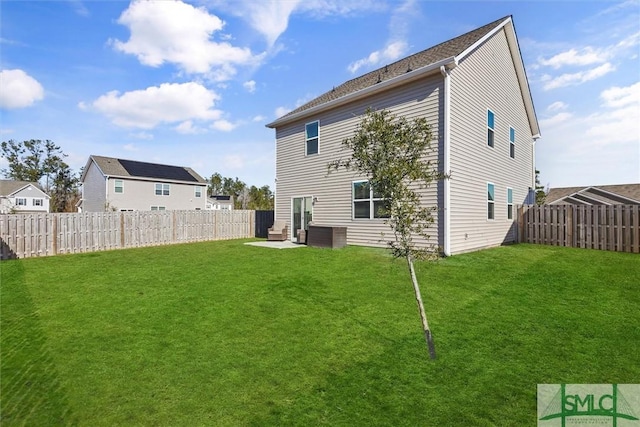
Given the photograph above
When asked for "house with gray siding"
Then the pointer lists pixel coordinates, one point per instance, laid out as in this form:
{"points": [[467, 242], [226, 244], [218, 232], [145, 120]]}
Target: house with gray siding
{"points": [[22, 197], [473, 90], [127, 185]]}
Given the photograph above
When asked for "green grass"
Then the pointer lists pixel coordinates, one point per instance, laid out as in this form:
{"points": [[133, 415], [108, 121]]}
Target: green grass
{"points": [[226, 334]]}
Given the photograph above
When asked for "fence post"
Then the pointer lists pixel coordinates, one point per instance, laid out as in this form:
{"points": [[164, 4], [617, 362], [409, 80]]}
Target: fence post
{"points": [[122, 229]]}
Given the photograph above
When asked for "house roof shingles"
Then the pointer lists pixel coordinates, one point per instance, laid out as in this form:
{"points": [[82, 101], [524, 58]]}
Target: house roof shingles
{"points": [[429, 56], [609, 194], [8, 186], [130, 168]]}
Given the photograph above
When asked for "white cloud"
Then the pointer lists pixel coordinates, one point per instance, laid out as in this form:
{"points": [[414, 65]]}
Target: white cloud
{"points": [[259, 118], [557, 106], [176, 32], [19, 90], [130, 147], [250, 86], [555, 120], [571, 79], [587, 56], [167, 103], [140, 135], [187, 128], [621, 96], [389, 53], [281, 111], [223, 125]]}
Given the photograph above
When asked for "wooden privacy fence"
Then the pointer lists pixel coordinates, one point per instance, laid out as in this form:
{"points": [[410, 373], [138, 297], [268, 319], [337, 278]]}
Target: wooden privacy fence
{"points": [[609, 228], [43, 234]]}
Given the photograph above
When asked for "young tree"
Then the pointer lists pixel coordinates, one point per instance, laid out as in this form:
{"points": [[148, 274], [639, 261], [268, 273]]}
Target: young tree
{"points": [[215, 185], [541, 195], [392, 152], [64, 191]]}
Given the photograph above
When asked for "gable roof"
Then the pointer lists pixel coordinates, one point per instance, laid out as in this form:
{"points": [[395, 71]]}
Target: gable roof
{"points": [[122, 168], [447, 54], [9, 187], [626, 194]]}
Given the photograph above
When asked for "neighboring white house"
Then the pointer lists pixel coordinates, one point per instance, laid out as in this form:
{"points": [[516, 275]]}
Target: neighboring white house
{"points": [[473, 91], [22, 197], [220, 203], [127, 185]]}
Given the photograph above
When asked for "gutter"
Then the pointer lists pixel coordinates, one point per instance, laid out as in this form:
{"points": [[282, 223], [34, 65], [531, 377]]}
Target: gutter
{"points": [[451, 62]]}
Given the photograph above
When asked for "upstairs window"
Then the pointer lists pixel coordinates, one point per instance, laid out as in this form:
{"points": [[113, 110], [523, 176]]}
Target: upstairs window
{"points": [[367, 204], [491, 200], [21, 201], [158, 208], [312, 136], [512, 143], [198, 192], [118, 186], [509, 203], [162, 189], [490, 127], [38, 202]]}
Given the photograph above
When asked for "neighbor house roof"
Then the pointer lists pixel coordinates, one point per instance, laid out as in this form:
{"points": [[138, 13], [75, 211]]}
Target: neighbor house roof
{"points": [[122, 168], [595, 195], [448, 53], [8, 187]]}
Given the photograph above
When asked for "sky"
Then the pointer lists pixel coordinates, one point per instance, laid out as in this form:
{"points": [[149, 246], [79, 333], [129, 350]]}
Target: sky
{"points": [[193, 83]]}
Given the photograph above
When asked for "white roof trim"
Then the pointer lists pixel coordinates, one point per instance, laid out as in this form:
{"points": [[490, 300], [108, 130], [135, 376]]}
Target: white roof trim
{"points": [[28, 185], [386, 84]]}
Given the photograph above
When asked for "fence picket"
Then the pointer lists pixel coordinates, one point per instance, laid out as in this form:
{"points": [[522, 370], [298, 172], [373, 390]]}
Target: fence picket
{"points": [[605, 227], [31, 235]]}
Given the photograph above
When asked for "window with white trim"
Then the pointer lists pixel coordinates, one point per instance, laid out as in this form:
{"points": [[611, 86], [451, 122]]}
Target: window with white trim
{"points": [[21, 201], [158, 208], [367, 204], [490, 127], [491, 200], [509, 203], [162, 189], [37, 202], [118, 186], [312, 138], [512, 143], [198, 191]]}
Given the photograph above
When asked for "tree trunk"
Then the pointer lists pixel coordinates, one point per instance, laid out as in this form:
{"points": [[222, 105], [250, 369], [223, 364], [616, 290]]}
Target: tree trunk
{"points": [[425, 325]]}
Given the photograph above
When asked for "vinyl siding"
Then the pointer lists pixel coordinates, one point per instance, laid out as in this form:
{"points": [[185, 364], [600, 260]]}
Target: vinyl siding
{"points": [[298, 175], [486, 79], [29, 193], [139, 195], [94, 196]]}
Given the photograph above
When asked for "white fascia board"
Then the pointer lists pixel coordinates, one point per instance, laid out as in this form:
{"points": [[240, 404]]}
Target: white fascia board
{"points": [[368, 91]]}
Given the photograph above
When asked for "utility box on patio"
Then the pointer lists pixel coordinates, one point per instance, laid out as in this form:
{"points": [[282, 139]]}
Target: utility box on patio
{"points": [[322, 236]]}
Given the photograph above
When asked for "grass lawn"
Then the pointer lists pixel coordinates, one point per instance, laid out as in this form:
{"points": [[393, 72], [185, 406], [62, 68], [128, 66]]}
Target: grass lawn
{"points": [[225, 334]]}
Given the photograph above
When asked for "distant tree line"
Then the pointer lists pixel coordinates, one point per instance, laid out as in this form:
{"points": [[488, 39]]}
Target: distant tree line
{"points": [[244, 197], [43, 162]]}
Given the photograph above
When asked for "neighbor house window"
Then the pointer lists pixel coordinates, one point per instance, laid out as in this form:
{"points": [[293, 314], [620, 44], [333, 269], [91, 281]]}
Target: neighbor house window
{"points": [[118, 186], [158, 208], [366, 202], [198, 191], [490, 127], [491, 200], [162, 189], [38, 202], [21, 201], [312, 133], [509, 203], [512, 143]]}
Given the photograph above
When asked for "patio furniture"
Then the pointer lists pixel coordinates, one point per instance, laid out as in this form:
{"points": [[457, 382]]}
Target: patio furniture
{"points": [[278, 232], [326, 236]]}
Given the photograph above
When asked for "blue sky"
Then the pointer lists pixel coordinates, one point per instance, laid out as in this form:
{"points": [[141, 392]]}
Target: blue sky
{"points": [[194, 83]]}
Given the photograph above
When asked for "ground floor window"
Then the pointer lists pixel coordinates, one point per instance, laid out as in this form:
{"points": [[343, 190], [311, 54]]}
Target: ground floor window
{"points": [[491, 200], [158, 208], [367, 203]]}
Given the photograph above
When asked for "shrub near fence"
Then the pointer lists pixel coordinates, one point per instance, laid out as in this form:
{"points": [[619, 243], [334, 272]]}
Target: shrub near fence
{"points": [[604, 227], [33, 235]]}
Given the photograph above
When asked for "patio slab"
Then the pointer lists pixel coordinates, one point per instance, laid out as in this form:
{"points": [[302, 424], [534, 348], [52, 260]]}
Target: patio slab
{"points": [[287, 244]]}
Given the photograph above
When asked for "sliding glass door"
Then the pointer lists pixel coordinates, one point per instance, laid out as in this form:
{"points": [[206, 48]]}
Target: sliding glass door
{"points": [[302, 213]]}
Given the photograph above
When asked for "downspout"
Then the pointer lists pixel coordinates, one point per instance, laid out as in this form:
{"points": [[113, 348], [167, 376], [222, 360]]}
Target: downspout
{"points": [[447, 159]]}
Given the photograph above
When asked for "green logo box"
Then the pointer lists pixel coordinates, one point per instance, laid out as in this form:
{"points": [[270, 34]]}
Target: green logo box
{"points": [[593, 405]]}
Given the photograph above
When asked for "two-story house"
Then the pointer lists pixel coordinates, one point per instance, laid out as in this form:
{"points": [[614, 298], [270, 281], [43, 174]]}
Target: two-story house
{"points": [[22, 197], [474, 92], [127, 185]]}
